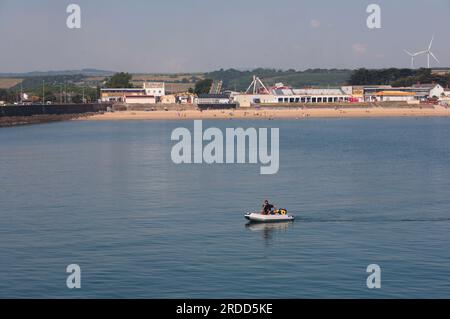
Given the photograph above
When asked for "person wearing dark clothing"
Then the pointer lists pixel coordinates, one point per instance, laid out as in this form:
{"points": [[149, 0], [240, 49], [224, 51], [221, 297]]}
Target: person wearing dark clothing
{"points": [[267, 208]]}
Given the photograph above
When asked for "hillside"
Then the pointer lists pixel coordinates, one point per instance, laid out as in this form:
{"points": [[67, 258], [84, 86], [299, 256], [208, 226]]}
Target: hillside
{"points": [[240, 80]]}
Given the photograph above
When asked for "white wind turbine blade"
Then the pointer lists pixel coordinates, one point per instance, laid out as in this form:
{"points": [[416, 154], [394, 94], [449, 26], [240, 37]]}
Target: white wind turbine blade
{"points": [[431, 43], [434, 57], [408, 53], [420, 53]]}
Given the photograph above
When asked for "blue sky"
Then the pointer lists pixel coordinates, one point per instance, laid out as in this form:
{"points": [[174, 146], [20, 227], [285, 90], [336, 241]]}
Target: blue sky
{"points": [[203, 35]]}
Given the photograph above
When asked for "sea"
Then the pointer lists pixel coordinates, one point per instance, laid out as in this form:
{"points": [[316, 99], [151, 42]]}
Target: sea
{"points": [[107, 196]]}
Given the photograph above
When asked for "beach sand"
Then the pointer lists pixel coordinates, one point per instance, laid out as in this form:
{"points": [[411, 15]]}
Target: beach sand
{"points": [[436, 111]]}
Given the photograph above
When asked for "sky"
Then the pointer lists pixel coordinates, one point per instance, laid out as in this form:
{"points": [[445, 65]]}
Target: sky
{"points": [[173, 36]]}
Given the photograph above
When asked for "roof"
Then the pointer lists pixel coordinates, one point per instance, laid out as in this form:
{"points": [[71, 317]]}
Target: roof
{"points": [[138, 96], [395, 93], [213, 96], [123, 89], [293, 92], [430, 85]]}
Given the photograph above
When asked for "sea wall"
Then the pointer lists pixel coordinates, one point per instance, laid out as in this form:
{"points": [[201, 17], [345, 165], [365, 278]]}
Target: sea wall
{"points": [[53, 109]]}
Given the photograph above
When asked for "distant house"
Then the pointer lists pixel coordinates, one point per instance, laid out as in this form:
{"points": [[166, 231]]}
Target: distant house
{"points": [[429, 90], [157, 89]]}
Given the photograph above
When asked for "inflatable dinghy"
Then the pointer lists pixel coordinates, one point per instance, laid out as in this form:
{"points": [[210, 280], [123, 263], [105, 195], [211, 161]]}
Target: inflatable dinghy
{"points": [[260, 218]]}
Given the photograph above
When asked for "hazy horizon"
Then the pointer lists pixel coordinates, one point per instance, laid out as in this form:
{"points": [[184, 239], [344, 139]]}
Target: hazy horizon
{"points": [[201, 36]]}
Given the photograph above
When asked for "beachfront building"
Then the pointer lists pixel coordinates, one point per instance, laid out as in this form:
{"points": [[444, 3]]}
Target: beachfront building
{"points": [[140, 99], [429, 90], [185, 98], [119, 95], [420, 91], [395, 96], [157, 89], [248, 100], [215, 101], [310, 95]]}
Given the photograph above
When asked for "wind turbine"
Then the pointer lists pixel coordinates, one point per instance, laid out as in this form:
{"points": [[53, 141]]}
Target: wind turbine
{"points": [[429, 53], [413, 56]]}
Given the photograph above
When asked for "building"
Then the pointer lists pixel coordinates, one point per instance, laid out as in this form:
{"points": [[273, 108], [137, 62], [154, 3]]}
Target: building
{"points": [[440, 72], [215, 101], [429, 90], [140, 99], [185, 98], [168, 99], [248, 100], [395, 96], [118, 95], [157, 89], [420, 91], [311, 95]]}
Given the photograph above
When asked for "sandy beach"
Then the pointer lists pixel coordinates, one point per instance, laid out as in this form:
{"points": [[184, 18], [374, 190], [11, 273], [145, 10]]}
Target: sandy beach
{"points": [[374, 112]]}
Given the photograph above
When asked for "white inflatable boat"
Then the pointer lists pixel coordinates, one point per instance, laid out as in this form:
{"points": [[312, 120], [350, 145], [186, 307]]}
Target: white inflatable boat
{"points": [[260, 218]]}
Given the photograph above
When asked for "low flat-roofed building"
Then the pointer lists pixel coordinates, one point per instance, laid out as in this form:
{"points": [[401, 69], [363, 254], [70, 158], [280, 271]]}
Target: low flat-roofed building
{"points": [[119, 94], [310, 95], [248, 100], [395, 96], [140, 99], [213, 99]]}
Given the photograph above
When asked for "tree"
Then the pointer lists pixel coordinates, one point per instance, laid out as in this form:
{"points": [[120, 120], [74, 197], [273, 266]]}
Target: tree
{"points": [[3, 95], [203, 86], [78, 99], [120, 80]]}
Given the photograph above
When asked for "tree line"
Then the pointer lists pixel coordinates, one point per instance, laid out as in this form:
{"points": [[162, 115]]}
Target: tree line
{"points": [[397, 77]]}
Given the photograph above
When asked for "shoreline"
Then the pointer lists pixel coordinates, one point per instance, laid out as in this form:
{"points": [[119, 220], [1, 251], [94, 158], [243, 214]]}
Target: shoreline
{"points": [[271, 114], [14, 121]]}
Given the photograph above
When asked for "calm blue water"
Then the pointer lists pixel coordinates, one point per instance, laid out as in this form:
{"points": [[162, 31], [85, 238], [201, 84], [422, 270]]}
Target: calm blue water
{"points": [[106, 196]]}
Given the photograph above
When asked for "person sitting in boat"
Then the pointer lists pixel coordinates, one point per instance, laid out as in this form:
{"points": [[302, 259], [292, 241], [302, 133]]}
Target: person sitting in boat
{"points": [[267, 208]]}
